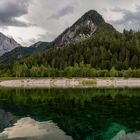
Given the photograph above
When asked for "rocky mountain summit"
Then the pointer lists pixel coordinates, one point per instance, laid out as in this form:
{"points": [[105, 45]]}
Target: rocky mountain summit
{"points": [[82, 29], [7, 44]]}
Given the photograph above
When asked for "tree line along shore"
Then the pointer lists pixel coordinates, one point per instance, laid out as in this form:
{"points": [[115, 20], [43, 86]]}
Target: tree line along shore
{"points": [[81, 70]]}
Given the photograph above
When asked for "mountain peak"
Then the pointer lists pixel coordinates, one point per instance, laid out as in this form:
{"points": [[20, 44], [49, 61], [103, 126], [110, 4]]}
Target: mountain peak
{"points": [[7, 44], [93, 16], [84, 28]]}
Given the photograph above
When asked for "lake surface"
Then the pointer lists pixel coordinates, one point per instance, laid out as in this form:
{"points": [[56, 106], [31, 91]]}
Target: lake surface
{"points": [[69, 114]]}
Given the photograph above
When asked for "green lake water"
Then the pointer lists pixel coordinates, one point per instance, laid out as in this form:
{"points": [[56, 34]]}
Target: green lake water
{"points": [[69, 114]]}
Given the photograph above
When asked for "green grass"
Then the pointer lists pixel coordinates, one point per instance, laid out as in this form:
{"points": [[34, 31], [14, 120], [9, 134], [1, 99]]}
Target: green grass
{"points": [[13, 78]]}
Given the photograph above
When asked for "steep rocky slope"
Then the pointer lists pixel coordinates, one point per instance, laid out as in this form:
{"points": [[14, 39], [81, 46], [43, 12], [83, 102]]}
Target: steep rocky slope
{"points": [[82, 29], [7, 44]]}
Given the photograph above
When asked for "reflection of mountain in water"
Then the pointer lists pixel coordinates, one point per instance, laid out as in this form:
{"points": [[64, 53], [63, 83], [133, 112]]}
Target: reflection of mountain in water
{"points": [[29, 129], [130, 136], [6, 119], [84, 114]]}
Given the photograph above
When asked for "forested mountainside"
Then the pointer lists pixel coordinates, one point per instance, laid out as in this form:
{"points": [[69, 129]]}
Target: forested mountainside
{"points": [[21, 52], [103, 51], [90, 47]]}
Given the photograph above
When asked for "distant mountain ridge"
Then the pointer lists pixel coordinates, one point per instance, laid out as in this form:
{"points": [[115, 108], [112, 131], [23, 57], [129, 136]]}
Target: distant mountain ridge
{"points": [[7, 44], [21, 52]]}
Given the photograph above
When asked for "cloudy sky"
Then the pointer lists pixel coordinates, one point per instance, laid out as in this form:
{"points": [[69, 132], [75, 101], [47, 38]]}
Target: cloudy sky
{"points": [[29, 21]]}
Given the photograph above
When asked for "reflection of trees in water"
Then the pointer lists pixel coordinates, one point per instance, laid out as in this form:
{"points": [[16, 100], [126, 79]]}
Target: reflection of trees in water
{"points": [[79, 112]]}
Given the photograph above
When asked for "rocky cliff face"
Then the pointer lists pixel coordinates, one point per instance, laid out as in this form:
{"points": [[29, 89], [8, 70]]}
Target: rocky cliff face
{"points": [[7, 44], [79, 32], [84, 28]]}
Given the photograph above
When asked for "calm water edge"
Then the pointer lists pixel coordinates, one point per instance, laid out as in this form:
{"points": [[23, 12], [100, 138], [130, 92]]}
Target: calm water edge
{"points": [[69, 114]]}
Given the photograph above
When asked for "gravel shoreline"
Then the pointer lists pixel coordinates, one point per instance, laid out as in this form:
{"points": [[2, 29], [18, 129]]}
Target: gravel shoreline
{"points": [[71, 83]]}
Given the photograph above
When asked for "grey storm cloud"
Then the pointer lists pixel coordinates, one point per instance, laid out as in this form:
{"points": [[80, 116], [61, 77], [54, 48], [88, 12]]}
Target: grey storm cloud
{"points": [[130, 19], [12, 9], [64, 11]]}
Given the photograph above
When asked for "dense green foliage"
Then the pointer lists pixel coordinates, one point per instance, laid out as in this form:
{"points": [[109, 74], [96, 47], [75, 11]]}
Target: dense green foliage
{"points": [[81, 70], [103, 51]]}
